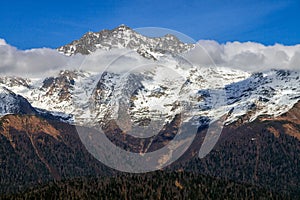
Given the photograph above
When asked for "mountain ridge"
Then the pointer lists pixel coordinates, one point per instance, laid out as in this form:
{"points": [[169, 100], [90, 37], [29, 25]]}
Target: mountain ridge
{"points": [[67, 95], [41, 117], [124, 37]]}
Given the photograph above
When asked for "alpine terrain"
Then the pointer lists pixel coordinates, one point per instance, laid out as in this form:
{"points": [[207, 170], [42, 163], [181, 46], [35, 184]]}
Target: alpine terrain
{"points": [[42, 121]]}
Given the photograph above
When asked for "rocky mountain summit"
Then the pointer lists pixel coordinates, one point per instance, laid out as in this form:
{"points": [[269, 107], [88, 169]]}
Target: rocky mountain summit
{"points": [[125, 37]]}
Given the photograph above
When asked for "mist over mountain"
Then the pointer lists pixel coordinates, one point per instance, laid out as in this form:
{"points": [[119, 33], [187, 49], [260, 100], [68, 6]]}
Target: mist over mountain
{"points": [[247, 56]]}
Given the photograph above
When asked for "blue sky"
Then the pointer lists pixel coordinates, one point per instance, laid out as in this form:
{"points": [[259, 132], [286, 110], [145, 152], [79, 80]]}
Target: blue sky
{"points": [[30, 24]]}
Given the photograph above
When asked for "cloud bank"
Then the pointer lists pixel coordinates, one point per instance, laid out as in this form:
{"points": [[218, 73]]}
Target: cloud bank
{"points": [[29, 62], [44, 62], [248, 56]]}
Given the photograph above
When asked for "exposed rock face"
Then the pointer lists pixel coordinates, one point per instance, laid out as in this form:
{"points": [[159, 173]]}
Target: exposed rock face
{"points": [[124, 37], [13, 103]]}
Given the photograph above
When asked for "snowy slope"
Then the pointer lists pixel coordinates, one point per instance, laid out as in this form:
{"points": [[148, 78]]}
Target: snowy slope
{"points": [[11, 103], [161, 91], [211, 92]]}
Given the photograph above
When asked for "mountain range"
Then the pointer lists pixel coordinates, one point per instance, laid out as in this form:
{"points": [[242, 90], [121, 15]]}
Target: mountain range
{"points": [[40, 117]]}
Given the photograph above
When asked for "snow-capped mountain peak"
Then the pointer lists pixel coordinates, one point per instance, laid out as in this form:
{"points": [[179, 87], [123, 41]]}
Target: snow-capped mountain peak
{"points": [[79, 96], [125, 37], [11, 103]]}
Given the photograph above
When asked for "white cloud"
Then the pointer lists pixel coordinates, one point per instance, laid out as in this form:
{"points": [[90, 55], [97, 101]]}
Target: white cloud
{"points": [[29, 62], [46, 62], [115, 60], [248, 56]]}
